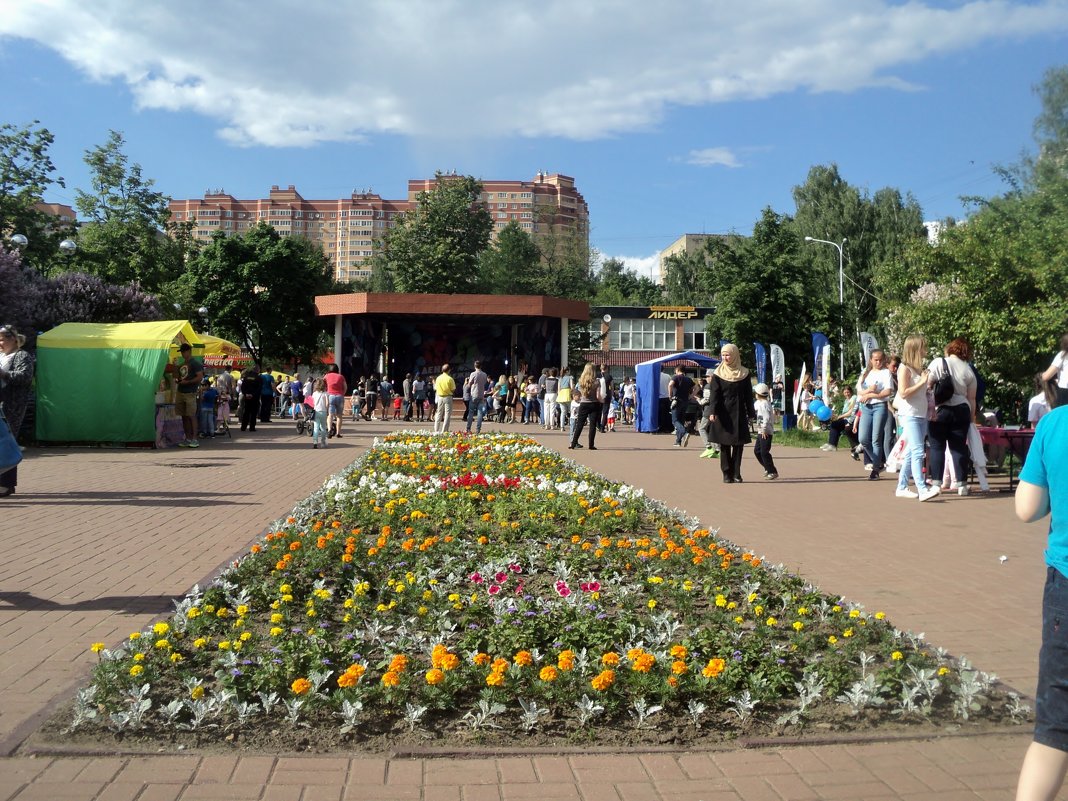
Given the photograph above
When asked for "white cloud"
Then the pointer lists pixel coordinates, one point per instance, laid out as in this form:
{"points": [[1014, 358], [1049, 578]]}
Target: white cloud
{"points": [[283, 72], [713, 156]]}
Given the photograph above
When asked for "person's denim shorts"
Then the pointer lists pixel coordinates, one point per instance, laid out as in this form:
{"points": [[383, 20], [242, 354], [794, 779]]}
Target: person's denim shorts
{"points": [[1051, 700], [337, 404]]}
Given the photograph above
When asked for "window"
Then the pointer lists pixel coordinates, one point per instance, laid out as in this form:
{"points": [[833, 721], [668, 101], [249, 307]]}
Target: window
{"points": [[693, 335], [642, 335]]}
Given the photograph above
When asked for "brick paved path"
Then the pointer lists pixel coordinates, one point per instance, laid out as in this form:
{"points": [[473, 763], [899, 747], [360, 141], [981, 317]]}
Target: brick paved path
{"points": [[98, 541]]}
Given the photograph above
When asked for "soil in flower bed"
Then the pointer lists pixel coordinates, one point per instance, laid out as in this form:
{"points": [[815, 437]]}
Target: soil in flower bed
{"points": [[472, 593]]}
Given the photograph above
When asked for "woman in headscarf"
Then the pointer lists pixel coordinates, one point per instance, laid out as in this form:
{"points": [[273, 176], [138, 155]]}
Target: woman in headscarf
{"points": [[730, 409], [16, 373]]}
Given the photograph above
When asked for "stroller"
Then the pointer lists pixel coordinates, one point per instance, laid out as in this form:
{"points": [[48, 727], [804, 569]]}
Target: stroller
{"points": [[304, 416]]}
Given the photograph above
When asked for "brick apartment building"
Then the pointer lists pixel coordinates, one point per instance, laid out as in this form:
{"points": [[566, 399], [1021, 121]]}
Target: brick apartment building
{"points": [[348, 228]]}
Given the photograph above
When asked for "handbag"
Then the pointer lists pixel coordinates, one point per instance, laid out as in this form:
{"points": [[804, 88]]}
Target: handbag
{"points": [[10, 452], [943, 386]]}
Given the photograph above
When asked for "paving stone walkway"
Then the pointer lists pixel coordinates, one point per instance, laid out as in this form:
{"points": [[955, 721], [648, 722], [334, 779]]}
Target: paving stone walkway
{"points": [[97, 542]]}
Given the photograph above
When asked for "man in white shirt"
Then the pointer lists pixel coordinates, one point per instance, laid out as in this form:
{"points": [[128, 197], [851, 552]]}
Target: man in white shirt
{"points": [[477, 382]]}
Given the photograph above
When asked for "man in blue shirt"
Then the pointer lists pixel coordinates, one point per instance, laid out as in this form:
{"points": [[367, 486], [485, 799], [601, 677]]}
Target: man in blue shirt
{"points": [[266, 396]]}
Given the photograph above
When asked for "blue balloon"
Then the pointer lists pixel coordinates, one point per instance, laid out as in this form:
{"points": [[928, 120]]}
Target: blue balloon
{"points": [[823, 414], [814, 406]]}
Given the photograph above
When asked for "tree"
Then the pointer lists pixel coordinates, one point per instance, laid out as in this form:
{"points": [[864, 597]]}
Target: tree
{"points": [[259, 289], [511, 265], [121, 238], [25, 175], [681, 285], [436, 246], [759, 287]]}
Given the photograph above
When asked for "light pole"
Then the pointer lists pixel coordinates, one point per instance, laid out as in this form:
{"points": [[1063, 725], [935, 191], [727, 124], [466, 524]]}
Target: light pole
{"points": [[21, 242], [841, 298]]}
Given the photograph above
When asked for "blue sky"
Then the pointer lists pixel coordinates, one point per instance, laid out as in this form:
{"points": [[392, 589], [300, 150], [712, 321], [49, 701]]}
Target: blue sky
{"points": [[687, 118]]}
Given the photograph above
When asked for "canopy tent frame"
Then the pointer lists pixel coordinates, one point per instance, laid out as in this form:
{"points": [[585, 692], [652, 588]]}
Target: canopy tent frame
{"points": [[648, 383]]}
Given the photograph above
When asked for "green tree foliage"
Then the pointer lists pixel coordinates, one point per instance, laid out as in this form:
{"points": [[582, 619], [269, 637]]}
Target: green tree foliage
{"points": [[435, 247], [124, 221], [26, 173], [681, 278], [511, 265], [999, 279], [260, 290], [759, 287]]}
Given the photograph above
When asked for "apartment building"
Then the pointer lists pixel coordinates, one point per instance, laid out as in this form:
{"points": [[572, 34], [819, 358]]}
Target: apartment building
{"points": [[349, 229]]}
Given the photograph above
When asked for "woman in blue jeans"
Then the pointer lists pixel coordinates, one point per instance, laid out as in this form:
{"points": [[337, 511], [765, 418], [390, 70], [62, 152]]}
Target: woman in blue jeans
{"points": [[911, 405], [873, 392]]}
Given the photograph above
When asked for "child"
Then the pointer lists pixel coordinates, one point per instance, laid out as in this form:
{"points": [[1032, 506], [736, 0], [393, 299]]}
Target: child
{"points": [[613, 410], [576, 401], [762, 446], [321, 405], [208, 396], [397, 407]]}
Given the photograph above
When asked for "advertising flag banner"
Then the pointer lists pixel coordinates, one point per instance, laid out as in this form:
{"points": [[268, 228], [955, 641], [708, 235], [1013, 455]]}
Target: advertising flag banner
{"points": [[778, 364], [819, 341], [797, 388], [826, 362], [761, 362], [868, 343]]}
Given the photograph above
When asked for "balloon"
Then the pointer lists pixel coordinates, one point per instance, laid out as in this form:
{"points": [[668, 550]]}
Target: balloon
{"points": [[814, 406], [823, 414]]}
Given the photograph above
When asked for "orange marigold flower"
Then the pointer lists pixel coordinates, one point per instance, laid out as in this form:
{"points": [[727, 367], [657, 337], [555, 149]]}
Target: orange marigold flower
{"points": [[548, 673], [611, 659], [300, 686], [495, 679], [603, 680], [679, 667], [390, 678], [713, 668], [481, 659], [566, 660], [434, 676], [295, 545], [644, 663], [523, 658], [679, 651]]}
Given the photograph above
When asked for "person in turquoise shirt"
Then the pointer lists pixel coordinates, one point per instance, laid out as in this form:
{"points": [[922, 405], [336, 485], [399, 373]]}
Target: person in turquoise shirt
{"points": [[1043, 490]]}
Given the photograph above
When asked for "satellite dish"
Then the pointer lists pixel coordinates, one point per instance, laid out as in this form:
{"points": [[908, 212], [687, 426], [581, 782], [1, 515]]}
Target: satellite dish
{"points": [[607, 318]]}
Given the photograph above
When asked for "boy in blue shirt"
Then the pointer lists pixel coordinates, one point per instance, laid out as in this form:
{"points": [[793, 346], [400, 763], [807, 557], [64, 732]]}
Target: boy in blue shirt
{"points": [[208, 397]]}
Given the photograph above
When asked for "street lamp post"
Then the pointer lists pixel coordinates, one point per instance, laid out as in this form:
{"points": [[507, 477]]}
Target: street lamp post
{"points": [[21, 242], [841, 298]]}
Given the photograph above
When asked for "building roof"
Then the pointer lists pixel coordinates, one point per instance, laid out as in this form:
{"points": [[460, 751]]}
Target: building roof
{"points": [[400, 304]]}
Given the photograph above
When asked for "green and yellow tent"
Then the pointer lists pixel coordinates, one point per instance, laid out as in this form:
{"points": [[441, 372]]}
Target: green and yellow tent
{"points": [[97, 382]]}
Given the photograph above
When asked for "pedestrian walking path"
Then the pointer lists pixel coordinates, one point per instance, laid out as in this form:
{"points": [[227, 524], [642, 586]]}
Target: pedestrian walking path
{"points": [[97, 542]]}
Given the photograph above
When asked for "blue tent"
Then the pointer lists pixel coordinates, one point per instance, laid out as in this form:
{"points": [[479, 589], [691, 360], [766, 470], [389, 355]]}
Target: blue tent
{"points": [[648, 382]]}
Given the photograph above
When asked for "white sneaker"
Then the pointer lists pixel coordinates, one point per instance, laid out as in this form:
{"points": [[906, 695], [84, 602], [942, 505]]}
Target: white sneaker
{"points": [[826, 447], [867, 468], [962, 490], [930, 492], [905, 493]]}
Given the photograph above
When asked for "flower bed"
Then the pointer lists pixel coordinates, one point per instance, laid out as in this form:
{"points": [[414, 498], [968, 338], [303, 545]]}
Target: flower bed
{"points": [[457, 584]]}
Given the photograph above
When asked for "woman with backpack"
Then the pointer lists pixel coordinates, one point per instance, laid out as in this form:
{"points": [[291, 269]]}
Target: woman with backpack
{"points": [[953, 383]]}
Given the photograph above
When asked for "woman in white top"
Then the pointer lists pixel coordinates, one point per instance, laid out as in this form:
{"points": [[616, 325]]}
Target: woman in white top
{"points": [[873, 392], [911, 405], [1058, 371], [950, 424]]}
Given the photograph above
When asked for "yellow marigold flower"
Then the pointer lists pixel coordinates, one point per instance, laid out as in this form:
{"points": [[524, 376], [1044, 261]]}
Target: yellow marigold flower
{"points": [[139, 657], [196, 693], [161, 628], [880, 615], [854, 613], [832, 639], [434, 676], [176, 658], [548, 673], [200, 642], [161, 644], [713, 668], [209, 608], [224, 645], [651, 604], [277, 617], [836, 608], [611, 659], [135, 636], [771, 621], [603, 680], [523, 658], [897, 656], [752, 597], [847, 633], [758, 610], [300, 686], [275, 631], [721, 600], [739, 619], [285, 589], [97, 647], [798, 625], [137, 670], [194, 612], [242, 610], [246, 636], [942, 671]]}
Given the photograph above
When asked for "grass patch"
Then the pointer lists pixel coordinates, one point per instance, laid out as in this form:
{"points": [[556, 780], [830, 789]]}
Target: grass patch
{"points": [[796, 438]]}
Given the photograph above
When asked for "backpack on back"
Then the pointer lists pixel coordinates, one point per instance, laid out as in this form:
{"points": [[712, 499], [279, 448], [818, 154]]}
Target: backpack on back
{"points": [[943, 386]]}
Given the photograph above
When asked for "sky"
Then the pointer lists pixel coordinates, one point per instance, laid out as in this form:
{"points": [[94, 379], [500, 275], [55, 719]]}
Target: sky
{"points": [[673, 117]]}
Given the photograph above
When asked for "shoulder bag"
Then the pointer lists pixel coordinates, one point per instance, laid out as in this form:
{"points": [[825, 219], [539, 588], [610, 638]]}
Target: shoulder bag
{"points": [[10, 452], [943, 386]]}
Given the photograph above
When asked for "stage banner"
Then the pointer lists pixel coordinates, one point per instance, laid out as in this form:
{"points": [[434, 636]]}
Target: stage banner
{"points": [[868, 343], [761, 362]]}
